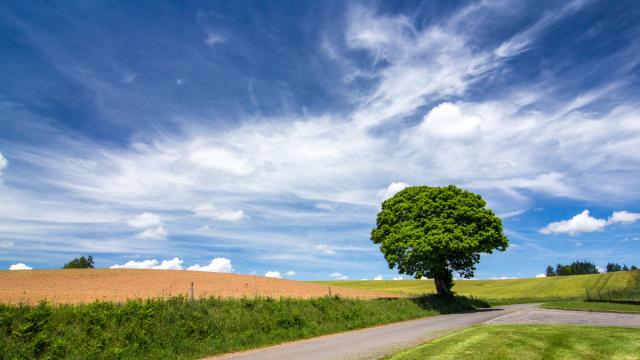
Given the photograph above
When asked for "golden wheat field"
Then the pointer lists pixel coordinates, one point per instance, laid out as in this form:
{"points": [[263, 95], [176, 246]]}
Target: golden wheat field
{"points": [[87, 285]]}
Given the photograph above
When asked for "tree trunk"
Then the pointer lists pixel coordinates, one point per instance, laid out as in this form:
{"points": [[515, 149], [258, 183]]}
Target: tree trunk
{"points": [[443, 284]]}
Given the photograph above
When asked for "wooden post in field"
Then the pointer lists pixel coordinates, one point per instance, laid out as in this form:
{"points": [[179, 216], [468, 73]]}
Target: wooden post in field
{"points": [[329, 291], [191, 291]]}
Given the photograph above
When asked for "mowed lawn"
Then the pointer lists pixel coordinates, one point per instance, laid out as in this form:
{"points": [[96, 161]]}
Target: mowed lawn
{"points": [[582, 305], [558, 287], [531, 342]]}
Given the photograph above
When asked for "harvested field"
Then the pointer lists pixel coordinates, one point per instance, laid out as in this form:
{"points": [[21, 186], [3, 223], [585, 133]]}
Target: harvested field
{"points": [[87, 285]]}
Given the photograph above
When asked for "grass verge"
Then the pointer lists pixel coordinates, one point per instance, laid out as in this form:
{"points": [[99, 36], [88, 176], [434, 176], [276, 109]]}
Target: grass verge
{"points": [[531, 342], [583, 305], [180, 329]]}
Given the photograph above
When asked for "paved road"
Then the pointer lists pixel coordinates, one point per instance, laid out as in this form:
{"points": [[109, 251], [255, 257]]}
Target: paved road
{"points": [[372, 343], [535, 315]]}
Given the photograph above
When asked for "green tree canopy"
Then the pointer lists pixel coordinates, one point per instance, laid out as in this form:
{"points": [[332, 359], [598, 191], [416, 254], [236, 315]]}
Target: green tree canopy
{"points": [[434, 231], [80, 263]]}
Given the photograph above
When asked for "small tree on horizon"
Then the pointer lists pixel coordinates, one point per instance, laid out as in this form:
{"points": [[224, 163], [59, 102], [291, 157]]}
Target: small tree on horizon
{"points": [[434, 231], [550, 272], [80, 263]]}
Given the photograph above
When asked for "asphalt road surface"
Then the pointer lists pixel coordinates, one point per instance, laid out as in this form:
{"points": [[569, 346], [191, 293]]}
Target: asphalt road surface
{"points": [[373, 343]]}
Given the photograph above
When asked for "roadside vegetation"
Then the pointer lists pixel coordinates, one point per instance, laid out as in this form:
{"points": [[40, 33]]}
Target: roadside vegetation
{"points": [[583, 305], [181, 329], [531, 342], [510, 290]]}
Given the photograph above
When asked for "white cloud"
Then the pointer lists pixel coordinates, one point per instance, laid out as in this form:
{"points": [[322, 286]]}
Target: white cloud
{"points": [[338, 276], [391, 190], [144, 264], [325, 206], [3, 163], [541, 275], [273, 274], [213, 38], [580, 223], [290, 273], [398, 278], [221, 265], [173, 264], [157, 233], [503, 278], [446, 121], [524, 145], [584, 222], [208, 210], [5, 244], [623, 217], [20, 266], [179, 81], [324, 249], [145, 220], [154, 229], [220, 159], [379, 277]]}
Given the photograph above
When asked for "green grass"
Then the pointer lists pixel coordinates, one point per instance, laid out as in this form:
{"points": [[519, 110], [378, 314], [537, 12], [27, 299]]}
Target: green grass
{"points": [[531, 342], [182, 329], [593, 306], [509, 291]]}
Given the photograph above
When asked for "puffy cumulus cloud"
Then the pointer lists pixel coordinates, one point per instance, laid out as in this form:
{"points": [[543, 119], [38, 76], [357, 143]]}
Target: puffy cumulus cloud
{"points": [[379, 277], [209, 211], [290, 273], [503, 278], [145, 220], [221, 265], [580, 223], [273, 274], [157, 233], [338, 276], [541, 275], [398, 278], [584, 222], [3, 163], [324, 249], [446, 121], [623, 217], [391, 190], [173, 264], [20, 266], [144, 264]]}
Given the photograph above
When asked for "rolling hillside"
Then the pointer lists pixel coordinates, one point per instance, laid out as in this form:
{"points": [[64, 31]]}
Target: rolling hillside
{"points": [[536, 288]]}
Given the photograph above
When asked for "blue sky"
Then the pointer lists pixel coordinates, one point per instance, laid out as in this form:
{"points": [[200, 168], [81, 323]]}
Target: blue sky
{"points": [[266, 134]]}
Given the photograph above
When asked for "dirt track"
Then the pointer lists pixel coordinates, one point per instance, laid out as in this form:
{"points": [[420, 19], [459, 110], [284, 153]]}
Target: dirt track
{"points": [[86, 285]]}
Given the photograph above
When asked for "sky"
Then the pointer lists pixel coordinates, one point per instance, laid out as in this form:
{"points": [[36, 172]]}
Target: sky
{"points": [[260, 137]]}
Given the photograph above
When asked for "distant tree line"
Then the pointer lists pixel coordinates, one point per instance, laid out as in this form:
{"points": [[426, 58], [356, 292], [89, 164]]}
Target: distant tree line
{"points": [[583, 268], [613, 267]]}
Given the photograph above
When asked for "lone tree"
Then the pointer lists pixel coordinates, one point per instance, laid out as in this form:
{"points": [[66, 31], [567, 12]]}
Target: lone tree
{"points": [[434, 231], [80, 263]]}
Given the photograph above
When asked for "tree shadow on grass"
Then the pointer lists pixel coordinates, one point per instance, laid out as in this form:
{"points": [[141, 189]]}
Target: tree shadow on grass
{"points": [[446, 304]]}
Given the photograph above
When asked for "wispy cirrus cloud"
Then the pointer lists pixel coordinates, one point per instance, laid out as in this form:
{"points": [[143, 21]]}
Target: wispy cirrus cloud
{"points": [[424, 106]]}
